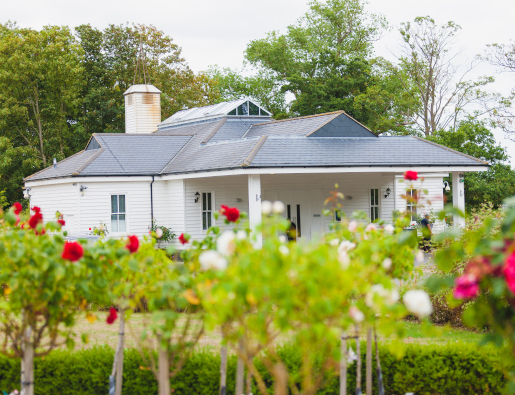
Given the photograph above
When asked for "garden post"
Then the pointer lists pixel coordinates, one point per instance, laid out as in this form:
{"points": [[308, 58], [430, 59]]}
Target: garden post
{"points": [[28, 356], [119, 368], [379, 371], [358, 363], [343, 364], [248, 383], [223, 370], [240, 371], [163, 373], [369, 362]]}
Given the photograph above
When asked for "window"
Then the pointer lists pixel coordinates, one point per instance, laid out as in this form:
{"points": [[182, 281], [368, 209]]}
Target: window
{"points": [[338, 215], [254, 110], [411, 203], [243, 109], [118, 219], [130, 99], [207, 210], [374, 205]]}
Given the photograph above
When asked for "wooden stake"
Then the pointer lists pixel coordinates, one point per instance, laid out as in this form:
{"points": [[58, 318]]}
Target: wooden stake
{"points": [[280, 380], [343, 364], [380, 384], [240, 371], [163, 372], [358, 363], [119, 368], [28, 355], [223, 370], [369, 362], [248, 383]]}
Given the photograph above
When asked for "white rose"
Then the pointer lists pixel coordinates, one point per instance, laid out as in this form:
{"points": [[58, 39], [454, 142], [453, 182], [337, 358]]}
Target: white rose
{"points": [[212, 259], [351, 355], [159, 233], [387, 263], [266, 207], [334, 242], [344, 259], [371, 227], [390, 296], [356, 314], [284, 250], [346, 245], [283, 239], [418, 303], [389, 229], [225, 243], [241, 234], [419, 257], [353, 226], [278, 207]]}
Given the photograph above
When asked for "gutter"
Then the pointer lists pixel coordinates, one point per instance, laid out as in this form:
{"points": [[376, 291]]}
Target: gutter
{"points": [[151, 204]]}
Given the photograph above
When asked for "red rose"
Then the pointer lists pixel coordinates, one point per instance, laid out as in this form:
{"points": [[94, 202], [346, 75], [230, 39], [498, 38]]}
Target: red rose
{"points": [[467, 287], [17, 208], [37, 218], [509, 272], [411, 175], [43, 231], [132, 244], [113, 315], [61, 221], [72, 251], [184, 238], [231, 213]]}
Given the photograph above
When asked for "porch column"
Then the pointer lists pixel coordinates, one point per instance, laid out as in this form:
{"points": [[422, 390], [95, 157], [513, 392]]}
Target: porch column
{"points": [[458, 197], [255, 206]]}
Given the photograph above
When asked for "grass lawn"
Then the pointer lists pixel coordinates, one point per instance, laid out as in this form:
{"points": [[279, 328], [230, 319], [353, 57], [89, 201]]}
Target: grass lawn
{"points": [[99, 333]]}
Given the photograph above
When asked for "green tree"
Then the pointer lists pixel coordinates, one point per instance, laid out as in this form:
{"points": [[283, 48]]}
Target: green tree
{"points": [[40, 82], [473, 138]]}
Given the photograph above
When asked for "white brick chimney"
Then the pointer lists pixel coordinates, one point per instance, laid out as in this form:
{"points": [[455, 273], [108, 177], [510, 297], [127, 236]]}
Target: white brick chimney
{"points": [[142, 109]]}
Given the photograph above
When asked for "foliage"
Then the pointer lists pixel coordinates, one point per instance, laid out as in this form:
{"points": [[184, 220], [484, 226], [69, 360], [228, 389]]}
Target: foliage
{"points": [[166, 233], [101, 230], [452, 369], [472, 137]]}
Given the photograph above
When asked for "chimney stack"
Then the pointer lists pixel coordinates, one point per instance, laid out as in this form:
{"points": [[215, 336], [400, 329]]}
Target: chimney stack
{"points": [[142, 109]]}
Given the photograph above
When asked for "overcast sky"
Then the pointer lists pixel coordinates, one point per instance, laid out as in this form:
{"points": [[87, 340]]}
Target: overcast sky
{"points": [[216, 32]]}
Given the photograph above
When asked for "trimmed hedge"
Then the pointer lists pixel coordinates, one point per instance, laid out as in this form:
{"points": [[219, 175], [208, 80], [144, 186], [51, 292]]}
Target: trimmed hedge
{"points": [[451, 369]]}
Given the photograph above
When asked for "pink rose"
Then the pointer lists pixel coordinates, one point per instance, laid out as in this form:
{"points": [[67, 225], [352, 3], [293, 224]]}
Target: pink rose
{"points": [[509, 272], [467, 287]]}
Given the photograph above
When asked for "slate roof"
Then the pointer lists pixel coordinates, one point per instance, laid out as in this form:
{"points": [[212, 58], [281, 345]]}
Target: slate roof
{"points": [[332, 139]]}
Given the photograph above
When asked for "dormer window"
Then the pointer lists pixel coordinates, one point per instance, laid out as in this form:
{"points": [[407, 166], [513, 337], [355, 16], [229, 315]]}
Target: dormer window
{"points": [[249, 108]]}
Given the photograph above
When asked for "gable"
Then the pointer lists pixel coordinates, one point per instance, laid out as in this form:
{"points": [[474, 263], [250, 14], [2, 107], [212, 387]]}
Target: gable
{"points": [[342, 126]]}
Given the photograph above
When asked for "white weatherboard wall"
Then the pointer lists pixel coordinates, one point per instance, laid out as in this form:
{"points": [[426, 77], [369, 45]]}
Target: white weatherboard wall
{"points": [[169, 206], [62, 198], [142, 109]]}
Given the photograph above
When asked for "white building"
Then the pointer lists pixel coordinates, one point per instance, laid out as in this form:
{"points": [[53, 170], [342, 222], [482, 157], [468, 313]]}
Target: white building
{"points": [[182, 169]]}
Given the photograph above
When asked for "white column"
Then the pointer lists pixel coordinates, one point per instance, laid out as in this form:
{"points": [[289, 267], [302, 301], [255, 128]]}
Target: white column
{"points": [[458, 197], [255, 206]]}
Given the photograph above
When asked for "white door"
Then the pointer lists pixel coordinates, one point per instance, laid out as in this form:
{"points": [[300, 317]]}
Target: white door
{"points": [[298, 208]]}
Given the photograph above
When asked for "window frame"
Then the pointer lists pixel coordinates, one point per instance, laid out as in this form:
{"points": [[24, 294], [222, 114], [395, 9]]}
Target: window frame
{"points": [[410, 205], [213, 206], [118, 213], [376, 206]]}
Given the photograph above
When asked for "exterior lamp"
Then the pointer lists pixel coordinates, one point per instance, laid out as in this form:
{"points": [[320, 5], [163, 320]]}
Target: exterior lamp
{"points": [[82, 189], [26, 193], [197, 197], [446, 186], [388, 191]]}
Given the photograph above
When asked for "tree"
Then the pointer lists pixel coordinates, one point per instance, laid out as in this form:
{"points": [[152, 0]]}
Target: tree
{"points": [[473, 138], [40, 81], [503, 56], [427, 62]]}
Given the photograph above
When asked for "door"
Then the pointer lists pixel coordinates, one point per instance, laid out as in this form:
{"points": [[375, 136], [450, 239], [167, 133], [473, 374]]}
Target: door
{"points": [[298, 209]]}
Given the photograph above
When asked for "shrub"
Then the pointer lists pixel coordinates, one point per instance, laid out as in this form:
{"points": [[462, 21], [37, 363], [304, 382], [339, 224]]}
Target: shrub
{"points": [[429, 369]]}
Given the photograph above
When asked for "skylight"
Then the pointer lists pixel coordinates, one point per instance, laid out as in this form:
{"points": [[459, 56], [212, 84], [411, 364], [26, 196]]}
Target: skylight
{"points": [[249, 108]]}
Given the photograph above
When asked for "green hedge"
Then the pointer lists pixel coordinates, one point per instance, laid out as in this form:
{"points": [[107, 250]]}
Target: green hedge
{"points": [[451, 369]]}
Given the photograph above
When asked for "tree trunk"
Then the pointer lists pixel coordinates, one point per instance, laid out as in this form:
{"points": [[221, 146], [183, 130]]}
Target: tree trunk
{"points": [[22, 369], [248, 383], [163, 371], [223, 370], [240, 371], [358, 363], [281, 380], [119, 368], [369, 362], [343, 364], [28, 356]]}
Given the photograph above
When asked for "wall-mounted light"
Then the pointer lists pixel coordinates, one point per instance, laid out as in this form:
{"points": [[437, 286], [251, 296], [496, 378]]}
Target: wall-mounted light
{"points": [[82, 189], [462, 177], [26, 193], [387, 192], [197, 197], [446, 186]]}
